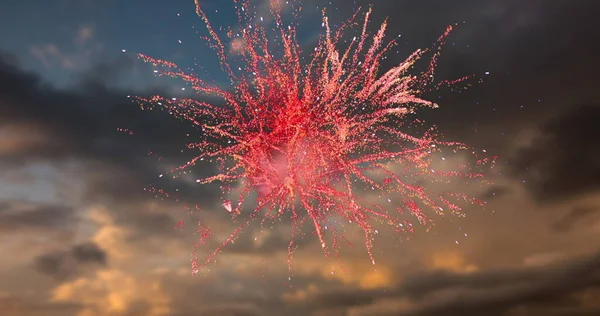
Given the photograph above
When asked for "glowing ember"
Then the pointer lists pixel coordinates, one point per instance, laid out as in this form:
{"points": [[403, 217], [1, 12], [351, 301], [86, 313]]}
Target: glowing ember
{"points": [[310, 138], [227, 206]]}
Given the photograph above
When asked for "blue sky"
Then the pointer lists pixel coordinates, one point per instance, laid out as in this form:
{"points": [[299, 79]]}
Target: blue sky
{"points": [[62, 38], [65, 38]]}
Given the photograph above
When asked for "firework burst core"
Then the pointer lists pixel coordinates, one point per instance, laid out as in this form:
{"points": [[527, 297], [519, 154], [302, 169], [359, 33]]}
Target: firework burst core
{"points": [[308, 136]]}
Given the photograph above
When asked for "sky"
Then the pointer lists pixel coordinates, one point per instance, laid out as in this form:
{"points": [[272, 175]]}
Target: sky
{"points": [[80, 236]]}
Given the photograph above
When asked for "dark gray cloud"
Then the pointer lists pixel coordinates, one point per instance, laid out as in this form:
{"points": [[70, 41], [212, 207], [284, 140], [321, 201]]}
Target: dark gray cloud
{"points": [[564, 159], [110, 71], [81, 123], [68, 263], [88, 252], [499, 291], [482, 293], [523, 45], [17, 215]]}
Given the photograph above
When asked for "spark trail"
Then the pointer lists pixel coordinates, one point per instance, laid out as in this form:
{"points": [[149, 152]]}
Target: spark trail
{"points": [[309, 138]]}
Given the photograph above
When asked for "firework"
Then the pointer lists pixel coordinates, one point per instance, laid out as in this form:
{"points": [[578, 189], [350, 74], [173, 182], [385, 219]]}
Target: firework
{"points": [[310, 136]]}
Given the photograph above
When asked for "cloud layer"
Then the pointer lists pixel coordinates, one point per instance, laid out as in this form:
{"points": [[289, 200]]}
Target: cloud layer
{"points": [[84, 238]]}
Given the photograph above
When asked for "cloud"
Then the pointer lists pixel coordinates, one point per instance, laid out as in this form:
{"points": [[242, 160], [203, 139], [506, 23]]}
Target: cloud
{"points": [[114, 292], [573, 217], [65, 264], [52, 56], [16, 216], [48, 128], [491, 292], [256, 241], [17, 306], [88, 252], [137, 264], [84, 33], [561, 161], [494, 192], [110, 71], [451, 261], [233, 309], [49, 54], [77, 57], [81, 124], [126, 287], [20, 138]]}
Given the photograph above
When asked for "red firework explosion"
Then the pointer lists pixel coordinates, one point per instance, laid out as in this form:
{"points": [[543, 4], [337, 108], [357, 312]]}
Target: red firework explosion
{"points": [[305, 137]]}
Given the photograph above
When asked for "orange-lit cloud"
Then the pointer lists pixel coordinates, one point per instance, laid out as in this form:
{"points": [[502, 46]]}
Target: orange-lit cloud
{"points": [[114, 292], [451, 261]]}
